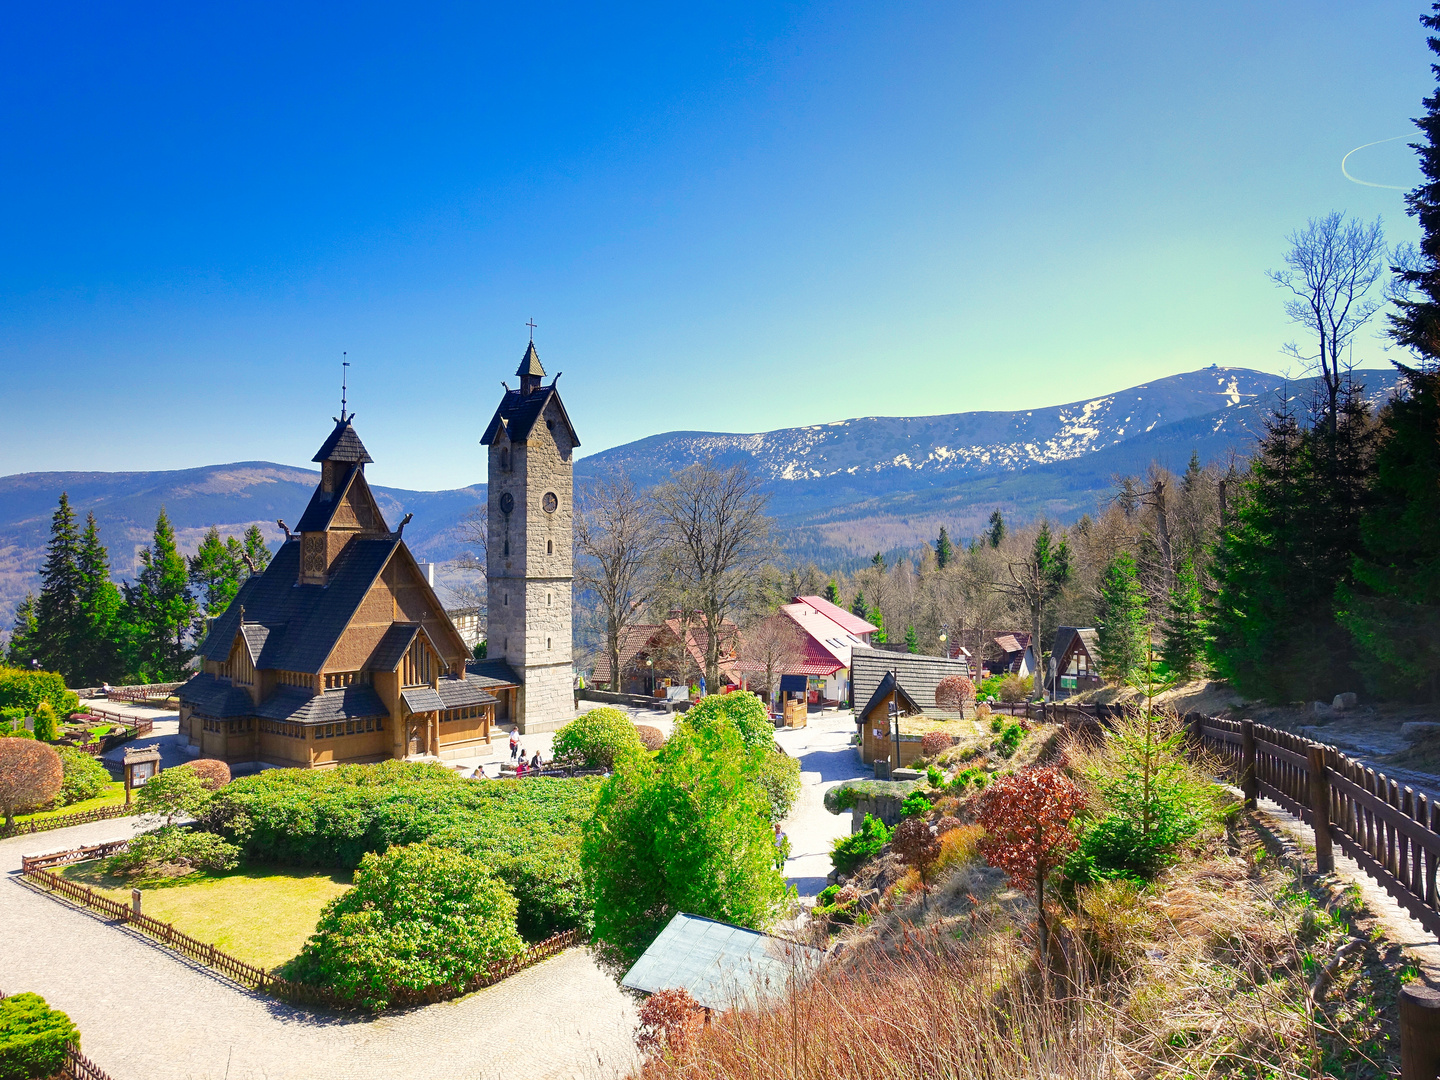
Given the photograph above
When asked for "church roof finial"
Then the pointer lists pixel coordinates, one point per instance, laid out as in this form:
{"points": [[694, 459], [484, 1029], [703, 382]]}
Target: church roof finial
{"points": [[530, 364], [344, 381]]}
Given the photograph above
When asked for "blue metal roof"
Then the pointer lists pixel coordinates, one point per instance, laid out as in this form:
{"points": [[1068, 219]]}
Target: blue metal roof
{"points": [[719, 964]]}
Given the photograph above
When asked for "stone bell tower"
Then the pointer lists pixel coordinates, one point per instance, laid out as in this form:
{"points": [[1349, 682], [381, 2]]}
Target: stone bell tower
{"points": [[529, 561]]}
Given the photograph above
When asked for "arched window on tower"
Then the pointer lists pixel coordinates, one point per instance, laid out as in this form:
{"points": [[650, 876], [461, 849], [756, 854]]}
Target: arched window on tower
{"points": [[549, 547]]}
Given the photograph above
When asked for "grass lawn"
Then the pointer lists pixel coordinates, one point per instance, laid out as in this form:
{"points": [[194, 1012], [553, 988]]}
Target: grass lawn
{"points": [[113, 795], [261, 914]]}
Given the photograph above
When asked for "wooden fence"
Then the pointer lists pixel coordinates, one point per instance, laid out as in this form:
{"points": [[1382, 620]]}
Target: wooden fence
{"points": [[145, 692], [38, 870], [77, 1066], [64, 821], [1390, 830]]}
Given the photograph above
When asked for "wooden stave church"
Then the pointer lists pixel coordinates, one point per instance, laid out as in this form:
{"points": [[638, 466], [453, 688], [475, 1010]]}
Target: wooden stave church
{"points": [[340, 652]]}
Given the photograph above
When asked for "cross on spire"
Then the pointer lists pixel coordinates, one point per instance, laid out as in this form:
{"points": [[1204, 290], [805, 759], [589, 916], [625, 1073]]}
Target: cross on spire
{"points": [[531, 324]]}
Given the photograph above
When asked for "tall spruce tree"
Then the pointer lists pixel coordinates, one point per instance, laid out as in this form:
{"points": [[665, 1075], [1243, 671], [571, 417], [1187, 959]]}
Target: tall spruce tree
{"points": [[1415, 323], [255, 549], [832, 593], [216, 571], [160, 609], [996, 533], [21, 649], [944, 550], [98, 647], [1184, 646], [57, 612], [912, 640], [858, 608], [1124, 630], [877, 620]]}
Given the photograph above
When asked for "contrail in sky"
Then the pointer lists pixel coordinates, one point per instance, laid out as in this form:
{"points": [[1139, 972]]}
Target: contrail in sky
{"points": [[1367, 183]]}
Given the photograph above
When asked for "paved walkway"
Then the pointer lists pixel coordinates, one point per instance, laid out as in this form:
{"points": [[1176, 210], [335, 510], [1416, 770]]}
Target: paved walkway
{"points": [[146, 1014], [826, 758]]}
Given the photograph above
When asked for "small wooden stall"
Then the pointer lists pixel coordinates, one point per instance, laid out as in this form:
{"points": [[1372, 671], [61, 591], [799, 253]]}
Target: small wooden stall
{"points": [[142, 763], [794, 707]]}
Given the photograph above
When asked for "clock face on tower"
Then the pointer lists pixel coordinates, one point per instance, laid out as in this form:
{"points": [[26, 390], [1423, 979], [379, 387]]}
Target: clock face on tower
{"points": [[550, 502], [507, 503]]}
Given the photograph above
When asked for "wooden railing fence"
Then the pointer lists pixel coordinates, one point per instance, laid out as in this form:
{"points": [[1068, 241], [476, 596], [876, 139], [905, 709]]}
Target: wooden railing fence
{"points": [[64, 821], [145, 692], [38, 870]]}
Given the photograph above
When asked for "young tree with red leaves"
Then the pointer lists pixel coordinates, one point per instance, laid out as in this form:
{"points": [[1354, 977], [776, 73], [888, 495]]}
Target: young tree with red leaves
{"points": [[953, 691], [917, 846], [1027, 817], [30, 775], [670, 1021]]}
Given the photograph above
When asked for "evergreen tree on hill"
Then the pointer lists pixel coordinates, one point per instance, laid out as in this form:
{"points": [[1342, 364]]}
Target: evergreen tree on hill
{"points": [[877, 620], [997, 529], [1415, 323], [944, 550], [21, 649], [912, 640], [160, 609], [254, 545], [1184, 646], [57, 612], [1124, 631], [99, 657], [858, 608], [832, 593]]}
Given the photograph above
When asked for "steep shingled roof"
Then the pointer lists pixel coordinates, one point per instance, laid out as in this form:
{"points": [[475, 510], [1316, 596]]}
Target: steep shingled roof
{"points": [[208, 696], [314, 616], [918, 674], [343, 445], [530, 363], [519, 412], [299, 706]]}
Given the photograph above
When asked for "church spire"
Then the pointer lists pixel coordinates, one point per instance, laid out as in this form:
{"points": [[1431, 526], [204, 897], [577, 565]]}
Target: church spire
{"points": [[530, 371]]}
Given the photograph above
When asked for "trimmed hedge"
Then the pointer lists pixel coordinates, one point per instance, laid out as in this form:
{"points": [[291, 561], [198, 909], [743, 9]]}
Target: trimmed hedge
{"points": [[597, 737], [23, 689], [33, 1038], [743, 709], [84, 779], [527, 831]]}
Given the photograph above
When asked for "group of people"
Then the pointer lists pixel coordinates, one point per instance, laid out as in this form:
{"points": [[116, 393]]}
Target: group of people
{"points": [[517, 755]]}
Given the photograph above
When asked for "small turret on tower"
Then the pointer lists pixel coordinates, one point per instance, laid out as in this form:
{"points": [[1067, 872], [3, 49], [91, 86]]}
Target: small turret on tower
{"points": [[530, 371]]}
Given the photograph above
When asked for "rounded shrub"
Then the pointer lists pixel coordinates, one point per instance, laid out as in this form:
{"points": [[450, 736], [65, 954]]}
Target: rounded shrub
{"points": [[597, 737], [743, 709], [953, 691], [216, 774], [30, 776], [418, 920], [33, 1038], [83, 776], [652, 738], [933, 742]]}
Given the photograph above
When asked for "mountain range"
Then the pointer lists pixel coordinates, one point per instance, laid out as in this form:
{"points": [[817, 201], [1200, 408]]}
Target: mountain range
{"points": [[839, 491]]}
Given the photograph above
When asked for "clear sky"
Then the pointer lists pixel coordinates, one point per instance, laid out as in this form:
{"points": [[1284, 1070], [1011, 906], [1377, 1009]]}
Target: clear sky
{"points": [[730, 217]]}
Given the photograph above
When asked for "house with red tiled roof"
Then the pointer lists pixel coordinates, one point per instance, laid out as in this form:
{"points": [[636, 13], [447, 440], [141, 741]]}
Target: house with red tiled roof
{"points": [[810, 637], [654, 656]]}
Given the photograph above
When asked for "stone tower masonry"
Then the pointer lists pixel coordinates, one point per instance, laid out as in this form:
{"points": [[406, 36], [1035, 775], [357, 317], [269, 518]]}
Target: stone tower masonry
{"points": [[529, 561]]}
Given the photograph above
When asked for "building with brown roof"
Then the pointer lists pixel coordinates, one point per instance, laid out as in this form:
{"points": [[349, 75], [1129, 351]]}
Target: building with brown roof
{"points": [[340, 651]]}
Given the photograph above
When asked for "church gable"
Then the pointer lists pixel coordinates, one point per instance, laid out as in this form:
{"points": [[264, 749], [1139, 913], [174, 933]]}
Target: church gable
{"points": [[357, 509]]}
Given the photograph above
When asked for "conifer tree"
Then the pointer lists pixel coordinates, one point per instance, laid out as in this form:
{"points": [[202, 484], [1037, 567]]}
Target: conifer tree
{"points": [[98, 652], [996, 532], [944, 550], [858, 608], [1124, 631], [912, 640], [21, 649], [57, 612], [254, 547], [877, 620], [216, 571], [832, 593], [1184, 645], [160, 608]]}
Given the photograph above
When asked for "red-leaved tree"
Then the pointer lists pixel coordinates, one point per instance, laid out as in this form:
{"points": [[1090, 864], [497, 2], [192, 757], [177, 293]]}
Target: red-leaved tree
{"points": [[670, 1022], [30, 776], [917, 846], [1026, 817], [953, 691]]}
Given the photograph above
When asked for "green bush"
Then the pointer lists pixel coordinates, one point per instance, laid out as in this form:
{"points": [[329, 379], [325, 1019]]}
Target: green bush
{"points": [[25, 690], [779, 778], [528, 831], [47, 724], [172, 793], [33, 1038], [686, 829], [743, 709], [85, 778], [1011, 735], [597, 737], [916, 805], [934, 777], [963, 780], [848, 852], [418, 918], [173, 848]]}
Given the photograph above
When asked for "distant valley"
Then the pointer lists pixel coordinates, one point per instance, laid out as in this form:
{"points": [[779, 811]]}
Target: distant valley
{"points": [[839, 491]]}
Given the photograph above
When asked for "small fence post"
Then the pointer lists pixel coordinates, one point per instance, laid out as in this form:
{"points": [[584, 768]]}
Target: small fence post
{"points": [[1320, 808], [1419, 1032], [1249, 782]]}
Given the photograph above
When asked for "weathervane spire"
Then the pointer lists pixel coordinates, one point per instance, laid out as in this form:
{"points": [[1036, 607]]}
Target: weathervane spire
{"points": [[344, 383]]}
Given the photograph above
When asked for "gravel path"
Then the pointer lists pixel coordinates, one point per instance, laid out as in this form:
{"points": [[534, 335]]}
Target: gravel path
{"points": [[145, 1012]]}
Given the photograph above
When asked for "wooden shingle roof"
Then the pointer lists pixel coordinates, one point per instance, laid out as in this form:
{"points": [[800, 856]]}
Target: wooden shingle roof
{"points": [[343, 445]]}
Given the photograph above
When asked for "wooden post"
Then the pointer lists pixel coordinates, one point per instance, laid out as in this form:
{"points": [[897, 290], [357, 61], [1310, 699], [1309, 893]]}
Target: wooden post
{"points": [[1419, 1032], [135, 901], [1320, 807], [1249, 782]]}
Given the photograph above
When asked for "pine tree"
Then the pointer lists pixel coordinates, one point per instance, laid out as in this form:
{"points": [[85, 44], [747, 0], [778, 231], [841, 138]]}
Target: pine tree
{"points": [[160, 608], [944, 550], [1184, 646], [216, 571], [1124, 631], [254, 546], [877, 620], [98, 650], [912, 640], [1416, 321], [878, 561], [21, 649], [1393, 610], [997, 529], [832, 593], [858, 608], [57, 612]]}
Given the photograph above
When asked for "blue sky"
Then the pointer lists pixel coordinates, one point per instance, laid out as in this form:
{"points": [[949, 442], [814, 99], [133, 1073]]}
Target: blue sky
{"points": [[733, 217]]}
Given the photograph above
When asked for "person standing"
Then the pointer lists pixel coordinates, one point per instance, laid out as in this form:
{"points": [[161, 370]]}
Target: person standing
{"points": [[514, 744]]}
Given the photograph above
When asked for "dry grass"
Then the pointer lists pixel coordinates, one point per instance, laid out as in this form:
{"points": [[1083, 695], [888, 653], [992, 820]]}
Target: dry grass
{"points": [[1206, 973]]}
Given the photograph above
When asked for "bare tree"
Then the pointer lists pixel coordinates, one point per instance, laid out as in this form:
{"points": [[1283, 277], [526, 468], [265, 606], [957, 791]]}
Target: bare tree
{"points": [[616, 540], [1330, 268], [716, 544], [772, 647], [1034, 580]]}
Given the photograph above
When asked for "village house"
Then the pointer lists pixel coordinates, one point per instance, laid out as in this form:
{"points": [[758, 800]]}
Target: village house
{"points": [[825, 637], [340, 651], [909, 681], [1075, 663], [656, 657]]}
